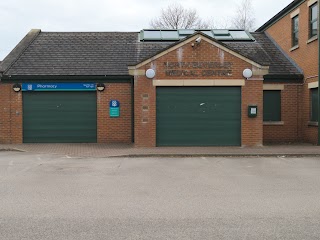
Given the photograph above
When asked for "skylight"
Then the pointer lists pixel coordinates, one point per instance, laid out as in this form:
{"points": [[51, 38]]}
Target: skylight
{"points": [[148, 35]]}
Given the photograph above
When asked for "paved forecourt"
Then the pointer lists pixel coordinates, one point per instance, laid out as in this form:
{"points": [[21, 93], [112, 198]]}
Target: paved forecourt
{"points": [[45, 196]]}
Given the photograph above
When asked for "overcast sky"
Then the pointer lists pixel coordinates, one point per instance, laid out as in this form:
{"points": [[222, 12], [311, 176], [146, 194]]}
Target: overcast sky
{"points": [[19, 16]]}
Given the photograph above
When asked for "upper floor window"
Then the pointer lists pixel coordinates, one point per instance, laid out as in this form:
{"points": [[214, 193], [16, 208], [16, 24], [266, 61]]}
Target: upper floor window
{"points": [[313, 27], [295, 31]]}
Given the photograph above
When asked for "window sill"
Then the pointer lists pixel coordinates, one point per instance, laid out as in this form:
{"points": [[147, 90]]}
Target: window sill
{"points": [[275, 123], [314, 38], [294, 48], [313, 124]]}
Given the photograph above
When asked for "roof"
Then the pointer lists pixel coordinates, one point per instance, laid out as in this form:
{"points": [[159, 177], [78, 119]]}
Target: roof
{"points": [[280, 15], [266, 53], [263, 51], [110, 54], [18, 50], [188, 38], [81, 53]]}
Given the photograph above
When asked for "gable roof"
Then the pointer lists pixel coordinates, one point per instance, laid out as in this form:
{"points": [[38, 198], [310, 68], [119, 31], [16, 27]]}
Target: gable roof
{"points": [[110, 53], [263, 51], [220, 44], [280, 15]]}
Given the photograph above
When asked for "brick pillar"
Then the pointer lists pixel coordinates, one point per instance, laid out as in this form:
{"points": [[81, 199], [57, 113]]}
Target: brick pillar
{"points": [[145, 112], [252, 128], [11, 115]]}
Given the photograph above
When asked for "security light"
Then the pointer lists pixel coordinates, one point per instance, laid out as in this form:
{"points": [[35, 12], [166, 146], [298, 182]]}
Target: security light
{"points": [[16, 87], [100, 87], [198, 40]]}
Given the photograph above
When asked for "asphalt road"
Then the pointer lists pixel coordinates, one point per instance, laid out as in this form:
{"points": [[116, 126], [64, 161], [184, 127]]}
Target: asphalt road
{"points": [[57, 197]]}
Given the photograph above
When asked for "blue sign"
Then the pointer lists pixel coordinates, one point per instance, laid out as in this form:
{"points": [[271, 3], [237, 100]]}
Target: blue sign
{"points": [[59, 87], [114, 103], [114, 108]]}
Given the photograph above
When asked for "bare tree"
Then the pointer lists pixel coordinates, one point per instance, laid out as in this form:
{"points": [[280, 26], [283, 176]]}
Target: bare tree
{"points": [[244, 18], [223, 23], [175, 16]]}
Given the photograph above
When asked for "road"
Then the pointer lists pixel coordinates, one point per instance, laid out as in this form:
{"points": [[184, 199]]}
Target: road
{"points": [[46, 196]]}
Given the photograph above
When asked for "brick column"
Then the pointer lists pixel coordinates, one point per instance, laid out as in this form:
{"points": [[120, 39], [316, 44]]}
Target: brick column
{"points": [[11, 115], [145, 112], [252, 128]]}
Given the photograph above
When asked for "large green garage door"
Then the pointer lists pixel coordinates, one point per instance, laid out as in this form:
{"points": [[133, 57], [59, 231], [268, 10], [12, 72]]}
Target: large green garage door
{"points": [[198, 116], [58, 117]]}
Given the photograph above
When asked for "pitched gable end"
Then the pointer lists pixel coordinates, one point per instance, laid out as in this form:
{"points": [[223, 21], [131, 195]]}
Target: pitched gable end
{"points": [[192, 40], [18, 50]]}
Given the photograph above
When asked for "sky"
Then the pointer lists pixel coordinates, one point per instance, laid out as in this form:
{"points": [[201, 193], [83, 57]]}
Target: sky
{"points": [[18, 17]]}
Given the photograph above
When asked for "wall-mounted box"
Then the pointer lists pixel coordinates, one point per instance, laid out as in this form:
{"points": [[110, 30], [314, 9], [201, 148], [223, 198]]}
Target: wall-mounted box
{"points": [[252, 111]]}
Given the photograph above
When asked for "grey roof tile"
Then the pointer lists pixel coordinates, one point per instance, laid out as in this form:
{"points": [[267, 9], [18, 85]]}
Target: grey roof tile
{"points": [[110, 53], [265, 52], [105, 53]]}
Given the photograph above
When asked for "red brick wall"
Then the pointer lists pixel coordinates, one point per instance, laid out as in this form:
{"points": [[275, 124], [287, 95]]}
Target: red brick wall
{"points": [[145, 92], [110, 130], [252, 128], [11, 115], [114, 130], [144, 119], [288, 132], [306, 56]]}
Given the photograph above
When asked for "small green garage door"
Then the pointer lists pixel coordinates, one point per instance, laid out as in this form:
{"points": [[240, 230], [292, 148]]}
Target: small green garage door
{"points": [[198, 116], [59, 117]]}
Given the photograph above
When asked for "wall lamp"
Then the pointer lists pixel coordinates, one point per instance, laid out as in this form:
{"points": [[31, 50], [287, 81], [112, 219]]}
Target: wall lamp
{"points": [[101, 87], [16, 87], [247, 73], [150, 73]]}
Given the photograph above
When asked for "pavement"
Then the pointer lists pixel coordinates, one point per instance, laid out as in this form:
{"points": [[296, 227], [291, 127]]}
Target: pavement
{"points": [[128, 150], [51, 196]]}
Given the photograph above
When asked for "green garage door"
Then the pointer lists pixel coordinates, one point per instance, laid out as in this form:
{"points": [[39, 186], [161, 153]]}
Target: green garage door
{"points": [[198, 116], [59, 117]]}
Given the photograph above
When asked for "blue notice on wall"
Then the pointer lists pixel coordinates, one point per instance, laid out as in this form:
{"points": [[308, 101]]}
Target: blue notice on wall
{"points": [[114, 108], [59, 87]]}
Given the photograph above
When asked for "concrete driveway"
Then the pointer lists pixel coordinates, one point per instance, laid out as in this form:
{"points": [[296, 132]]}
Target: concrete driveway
{"points": [[58, 197]]}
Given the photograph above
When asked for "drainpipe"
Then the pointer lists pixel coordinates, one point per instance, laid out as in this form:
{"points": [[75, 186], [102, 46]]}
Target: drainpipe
{"points": [[132, 109]]}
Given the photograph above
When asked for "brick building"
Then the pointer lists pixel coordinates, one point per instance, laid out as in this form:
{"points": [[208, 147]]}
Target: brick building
{"points": [[295, 31], [163, 87]]}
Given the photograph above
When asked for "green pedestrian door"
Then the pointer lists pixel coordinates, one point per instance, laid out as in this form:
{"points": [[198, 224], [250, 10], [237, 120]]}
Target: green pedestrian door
{"points": [[59, 117], [198, 116]]}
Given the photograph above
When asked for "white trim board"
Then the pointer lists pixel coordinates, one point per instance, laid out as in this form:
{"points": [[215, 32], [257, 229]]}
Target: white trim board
{"points": [[313, 85], [199, 82]]}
